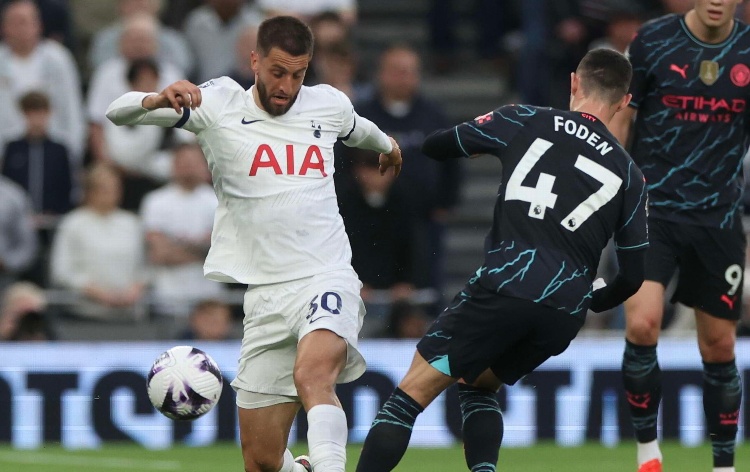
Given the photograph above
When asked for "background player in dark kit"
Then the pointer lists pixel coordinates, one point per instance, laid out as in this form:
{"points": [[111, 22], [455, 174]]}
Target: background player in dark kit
{"points": [[690, 87], [568, 187]]}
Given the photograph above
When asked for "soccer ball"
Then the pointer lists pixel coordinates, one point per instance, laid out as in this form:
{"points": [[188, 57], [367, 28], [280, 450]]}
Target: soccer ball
{"points": [[184, 383]]}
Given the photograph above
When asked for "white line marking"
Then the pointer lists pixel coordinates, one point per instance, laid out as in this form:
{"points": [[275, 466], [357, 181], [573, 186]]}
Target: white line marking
{"points": [[33, 457]]}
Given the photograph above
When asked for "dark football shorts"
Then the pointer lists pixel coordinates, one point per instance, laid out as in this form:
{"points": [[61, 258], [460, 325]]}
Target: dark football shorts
{"points": [[481, 329], [711, 264]]}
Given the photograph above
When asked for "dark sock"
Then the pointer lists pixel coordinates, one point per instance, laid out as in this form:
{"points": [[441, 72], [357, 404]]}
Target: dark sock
{"points": [[389, 434], [722, 395], [642, 379], [482, 427]]}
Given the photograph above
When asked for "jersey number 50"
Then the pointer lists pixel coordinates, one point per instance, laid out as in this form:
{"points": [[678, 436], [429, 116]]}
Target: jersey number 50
{"points": [[541, 197]]}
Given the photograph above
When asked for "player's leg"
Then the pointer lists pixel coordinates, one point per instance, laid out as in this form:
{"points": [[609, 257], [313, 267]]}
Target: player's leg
{"points": [[641, 374], [482, 421], [264, 433], [644, 311], [722, 387], [266, 365], [716, 296], [331, 316], [321, 355], [390, 432]]}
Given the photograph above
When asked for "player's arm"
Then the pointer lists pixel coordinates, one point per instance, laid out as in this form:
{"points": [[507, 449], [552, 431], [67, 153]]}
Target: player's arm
{"points": [[627, 281], [362, 133], [631, 242], [178, 105], [487, 134]]}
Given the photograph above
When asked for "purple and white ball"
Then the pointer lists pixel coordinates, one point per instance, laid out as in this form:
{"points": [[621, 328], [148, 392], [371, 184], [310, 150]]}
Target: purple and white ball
{"points": [[184, 383]]}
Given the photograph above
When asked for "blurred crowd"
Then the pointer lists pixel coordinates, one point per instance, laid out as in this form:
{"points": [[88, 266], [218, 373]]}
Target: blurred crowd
{"points": [[111, 224]]}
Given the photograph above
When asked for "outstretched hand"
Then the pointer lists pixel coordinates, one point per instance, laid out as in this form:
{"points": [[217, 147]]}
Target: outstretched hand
{"points": [[392, 159], [180, 94]]}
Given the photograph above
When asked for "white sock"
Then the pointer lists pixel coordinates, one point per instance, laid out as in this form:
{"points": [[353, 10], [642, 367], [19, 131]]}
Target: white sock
{"points": [[289, 465], [326, 437], [648, 451], [724, 469]]}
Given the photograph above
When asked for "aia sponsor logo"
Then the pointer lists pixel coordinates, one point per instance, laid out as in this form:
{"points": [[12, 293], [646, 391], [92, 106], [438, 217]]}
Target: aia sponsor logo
{"points": [[265, 158], [740, 75]]}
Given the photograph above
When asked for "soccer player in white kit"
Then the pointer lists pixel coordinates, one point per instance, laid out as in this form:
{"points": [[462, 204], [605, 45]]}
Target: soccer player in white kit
{"points": [[277, 228]]}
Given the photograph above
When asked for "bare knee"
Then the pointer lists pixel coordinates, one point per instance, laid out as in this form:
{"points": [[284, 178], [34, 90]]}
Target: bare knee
{"points": [[261, 461], [643, 326], [315, 378], [717, 348]]}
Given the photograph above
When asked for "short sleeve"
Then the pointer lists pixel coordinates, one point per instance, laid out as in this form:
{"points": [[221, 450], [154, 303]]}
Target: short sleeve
{"points": [[632, 232]]}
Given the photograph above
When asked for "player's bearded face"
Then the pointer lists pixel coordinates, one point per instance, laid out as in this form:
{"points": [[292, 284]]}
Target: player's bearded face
{"points": [[279, 77]]}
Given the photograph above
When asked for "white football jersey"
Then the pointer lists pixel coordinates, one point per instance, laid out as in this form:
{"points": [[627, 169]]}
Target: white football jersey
{"points": [[278, 217]]}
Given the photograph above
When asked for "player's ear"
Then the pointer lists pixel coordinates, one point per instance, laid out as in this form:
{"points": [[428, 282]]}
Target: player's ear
{"points": [[624, 102], [254, 61], [574, 83]]}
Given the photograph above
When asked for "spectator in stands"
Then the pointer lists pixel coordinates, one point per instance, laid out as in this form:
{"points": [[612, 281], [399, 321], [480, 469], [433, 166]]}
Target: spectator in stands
{"points": [[173, 46], [175, 12], [42, 168], [329, 29], [337, 66], [30, 62], [39, 164], [18, 242], [210, 320], [23, 314], [555, 39], [489, 18], [377, 220], [98, 251], [140, 153], [307, 10], [620, 31], [401, 111], [407, 321], [242, 72], [178, 219], [212, 31], [57, 23]]}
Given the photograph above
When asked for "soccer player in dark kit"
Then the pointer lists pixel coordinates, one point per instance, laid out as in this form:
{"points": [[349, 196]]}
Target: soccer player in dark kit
{"points": [[567, 188], [691, 84]]}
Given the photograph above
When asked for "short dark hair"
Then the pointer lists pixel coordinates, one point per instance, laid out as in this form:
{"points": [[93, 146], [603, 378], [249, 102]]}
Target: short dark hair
{"points": [[138, 65], [605, 73], [287, 33], [34, 101]]}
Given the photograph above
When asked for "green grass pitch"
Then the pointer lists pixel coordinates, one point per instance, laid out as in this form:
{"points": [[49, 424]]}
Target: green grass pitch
{"points": [[226, 458]]}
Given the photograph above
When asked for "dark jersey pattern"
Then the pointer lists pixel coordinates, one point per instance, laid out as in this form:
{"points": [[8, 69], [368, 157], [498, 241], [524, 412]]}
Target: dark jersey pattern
{"points": [[691, 130], [567, 187]]}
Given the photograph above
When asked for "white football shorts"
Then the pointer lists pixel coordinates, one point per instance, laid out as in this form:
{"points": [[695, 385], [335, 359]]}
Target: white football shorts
{"points": [[278, 315]]}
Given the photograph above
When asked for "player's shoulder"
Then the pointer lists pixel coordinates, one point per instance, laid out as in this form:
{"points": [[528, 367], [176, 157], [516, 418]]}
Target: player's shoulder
{"points": [[221, 92], [743, 30], [323, 96], [514, 113], [665, 24], [224, 83]]}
